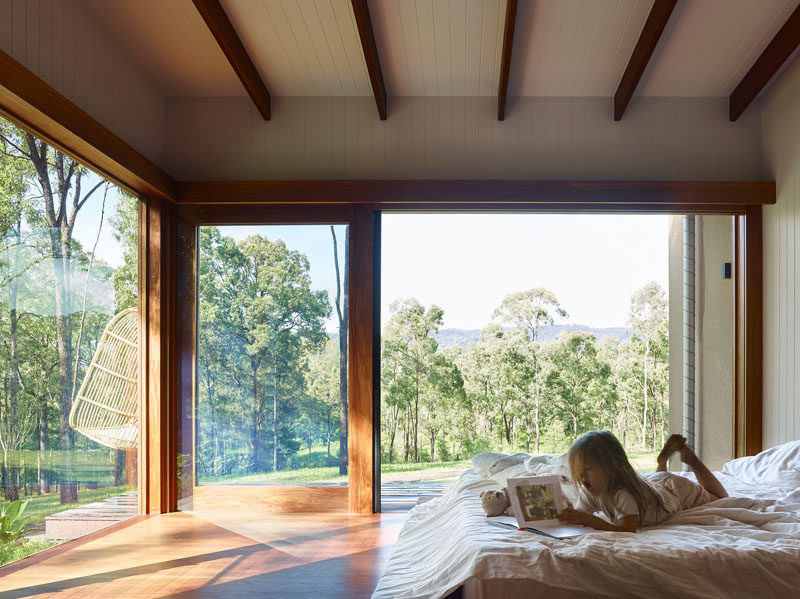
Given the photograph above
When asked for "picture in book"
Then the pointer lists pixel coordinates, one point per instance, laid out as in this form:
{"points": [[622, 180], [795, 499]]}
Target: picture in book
{"points": [[537, 501]]}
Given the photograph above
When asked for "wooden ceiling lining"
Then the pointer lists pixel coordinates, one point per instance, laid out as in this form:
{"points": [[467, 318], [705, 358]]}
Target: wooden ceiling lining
{"points": [[308, 48], [577, 48], [710, 45], [436, 48]]}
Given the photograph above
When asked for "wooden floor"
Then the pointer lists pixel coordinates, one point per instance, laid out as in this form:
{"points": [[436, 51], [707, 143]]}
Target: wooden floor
{"points": [[233, 555]]}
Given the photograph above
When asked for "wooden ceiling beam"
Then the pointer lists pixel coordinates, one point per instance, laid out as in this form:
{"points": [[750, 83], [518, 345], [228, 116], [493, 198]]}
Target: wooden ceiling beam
{"points": [[651, 33], [505, 62], [222, 29], [370, 48], [772, 58]]}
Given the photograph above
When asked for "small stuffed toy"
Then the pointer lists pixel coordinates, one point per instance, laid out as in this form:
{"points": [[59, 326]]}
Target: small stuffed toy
{"points": [[496, 503]]}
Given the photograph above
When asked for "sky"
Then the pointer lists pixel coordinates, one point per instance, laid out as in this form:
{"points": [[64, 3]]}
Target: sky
{"points": [[467, 263]]}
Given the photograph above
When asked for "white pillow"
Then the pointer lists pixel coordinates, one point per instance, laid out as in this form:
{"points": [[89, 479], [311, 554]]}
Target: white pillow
{"points": [[490, 462], [777, 466]]}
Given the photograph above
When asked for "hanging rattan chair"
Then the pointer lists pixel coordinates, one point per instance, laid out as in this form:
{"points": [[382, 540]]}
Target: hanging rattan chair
{"points": [[106, 408]]}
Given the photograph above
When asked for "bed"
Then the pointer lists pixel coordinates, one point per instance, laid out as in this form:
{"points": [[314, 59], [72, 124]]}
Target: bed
{"points": [[745, 545]]}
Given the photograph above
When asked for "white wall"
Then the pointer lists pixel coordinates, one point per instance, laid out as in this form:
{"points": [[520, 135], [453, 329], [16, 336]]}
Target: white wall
{"points": [[60, 42], [449, 137], [781, 146]]}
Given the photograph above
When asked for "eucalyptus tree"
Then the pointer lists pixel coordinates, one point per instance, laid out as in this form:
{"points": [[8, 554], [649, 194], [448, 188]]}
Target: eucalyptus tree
{"points": [[258, 293], [342, 304], [529, 311], [649, 323], [578, 377], [125, 228], [410, 334], [61, 196], [444, 394], [323, 384]]}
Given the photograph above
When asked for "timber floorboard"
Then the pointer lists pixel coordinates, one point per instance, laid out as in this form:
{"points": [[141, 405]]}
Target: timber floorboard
{"points": [[230, 554]]}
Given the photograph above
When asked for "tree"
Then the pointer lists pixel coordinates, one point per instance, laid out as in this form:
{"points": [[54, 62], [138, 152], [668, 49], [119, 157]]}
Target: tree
{"points": [[649, 323], [59, 180], [409, 335], [256, 300], [529, 311], [343, 313], [125, 223], [323, 383], [578, 378]]}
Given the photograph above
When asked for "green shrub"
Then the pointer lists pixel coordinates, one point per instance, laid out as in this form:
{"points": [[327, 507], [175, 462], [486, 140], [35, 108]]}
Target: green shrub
{"points": [[12, 521]]}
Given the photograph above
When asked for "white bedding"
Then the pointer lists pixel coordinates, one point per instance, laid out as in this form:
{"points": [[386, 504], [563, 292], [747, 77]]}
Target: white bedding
{"points": [[745, 545]]}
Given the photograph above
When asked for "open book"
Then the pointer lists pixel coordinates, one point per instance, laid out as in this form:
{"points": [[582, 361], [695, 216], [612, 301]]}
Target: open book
{"points": [[536, 501]]}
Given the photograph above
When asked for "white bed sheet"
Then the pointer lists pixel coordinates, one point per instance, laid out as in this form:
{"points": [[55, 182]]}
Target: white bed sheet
{"points": [[745, 545]]}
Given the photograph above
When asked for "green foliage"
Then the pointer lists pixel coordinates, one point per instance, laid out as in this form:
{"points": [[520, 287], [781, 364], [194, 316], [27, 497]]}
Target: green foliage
{"points": [[12, 521], [267, 372], [510, 392]]}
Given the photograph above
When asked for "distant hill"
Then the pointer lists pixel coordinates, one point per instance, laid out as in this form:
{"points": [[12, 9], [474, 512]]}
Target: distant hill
{"points": [[463, 337]]}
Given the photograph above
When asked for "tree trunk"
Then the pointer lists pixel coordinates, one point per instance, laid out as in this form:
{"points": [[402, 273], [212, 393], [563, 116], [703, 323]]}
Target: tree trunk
{"points": [[60, 225], [536, 418], [275, 415], [12, 492], [44, 482], [343, 312], [574, 424], [329, 433], [416, 415], [256, 419], [644, 387]]}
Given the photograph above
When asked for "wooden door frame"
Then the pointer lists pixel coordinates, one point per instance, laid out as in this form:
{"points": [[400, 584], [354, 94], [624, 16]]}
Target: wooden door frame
{"points": [[357, 496]]}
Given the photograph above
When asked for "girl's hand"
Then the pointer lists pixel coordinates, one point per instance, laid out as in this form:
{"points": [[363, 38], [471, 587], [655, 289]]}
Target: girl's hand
{"points": [[574, 516], [626, 524]]}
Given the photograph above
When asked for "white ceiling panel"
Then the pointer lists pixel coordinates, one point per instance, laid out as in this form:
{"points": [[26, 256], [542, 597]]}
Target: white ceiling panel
{"points": [[709, 45], [171, 44], [439, 47], [302, 48], [575, 47]]}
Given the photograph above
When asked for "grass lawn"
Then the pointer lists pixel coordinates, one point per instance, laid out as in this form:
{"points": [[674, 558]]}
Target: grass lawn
{"points": [[642, 461], [40, 506], [13, 551]]}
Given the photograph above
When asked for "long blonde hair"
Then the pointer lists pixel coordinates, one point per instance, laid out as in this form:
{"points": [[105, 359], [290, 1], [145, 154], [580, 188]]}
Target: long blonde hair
{"points": [[605, 451]]}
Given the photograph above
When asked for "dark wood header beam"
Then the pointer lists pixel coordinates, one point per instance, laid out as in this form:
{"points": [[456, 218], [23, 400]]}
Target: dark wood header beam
{"points": [[370, 48], [774, 55], [222, 29], [505, 62], [33, 104], [651, 33], [686, 195]]}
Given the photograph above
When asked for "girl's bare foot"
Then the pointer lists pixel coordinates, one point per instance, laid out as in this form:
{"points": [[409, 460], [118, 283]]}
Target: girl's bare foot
{"points": [[689, 457], [674, 443]]}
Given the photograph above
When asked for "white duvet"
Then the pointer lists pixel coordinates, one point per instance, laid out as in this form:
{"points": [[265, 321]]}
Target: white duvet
{"points": [[746, 545]]}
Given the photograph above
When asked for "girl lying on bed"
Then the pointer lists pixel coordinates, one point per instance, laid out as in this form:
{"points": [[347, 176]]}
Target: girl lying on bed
{"points": [[610, 485]]}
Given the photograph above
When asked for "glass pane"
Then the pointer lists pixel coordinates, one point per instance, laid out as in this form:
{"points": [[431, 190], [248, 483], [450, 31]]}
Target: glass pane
{"points": [[271, 398], [69, 397], [517, 333]]}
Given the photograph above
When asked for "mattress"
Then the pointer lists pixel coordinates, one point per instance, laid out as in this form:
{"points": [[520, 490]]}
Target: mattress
{"points": [[747, 544]]}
